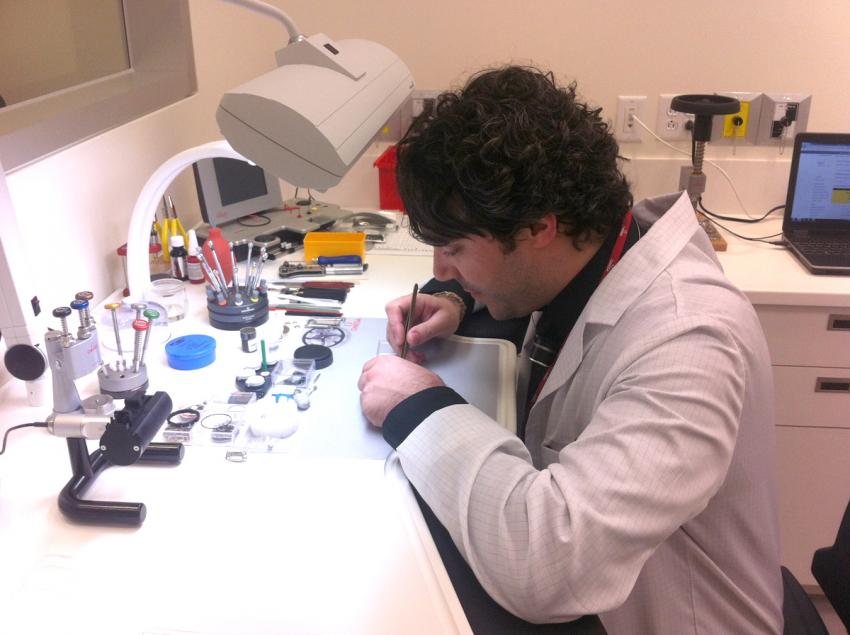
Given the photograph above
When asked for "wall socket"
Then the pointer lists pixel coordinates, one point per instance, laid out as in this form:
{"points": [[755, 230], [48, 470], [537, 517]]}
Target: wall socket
{"points": [[629, 107], [782, 116], [670, 124], [414, 106], [741, 127]]}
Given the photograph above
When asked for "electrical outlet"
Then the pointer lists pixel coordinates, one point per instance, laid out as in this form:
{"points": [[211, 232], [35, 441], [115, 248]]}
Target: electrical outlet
{"points": [[414, 106], [740, 127], [629, 107], [782, 116], [672, 125]]}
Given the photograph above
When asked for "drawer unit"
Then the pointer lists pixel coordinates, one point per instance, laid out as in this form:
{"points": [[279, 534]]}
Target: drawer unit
{"points": [[807, 336], [813, 396], [810, 352]]}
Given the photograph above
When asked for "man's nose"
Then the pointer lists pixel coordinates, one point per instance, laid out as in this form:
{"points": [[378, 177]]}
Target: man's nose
{"points": [[442, 269]]}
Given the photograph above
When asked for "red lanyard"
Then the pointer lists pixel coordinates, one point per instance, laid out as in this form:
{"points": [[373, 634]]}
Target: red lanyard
{"points": [[616, 254]]}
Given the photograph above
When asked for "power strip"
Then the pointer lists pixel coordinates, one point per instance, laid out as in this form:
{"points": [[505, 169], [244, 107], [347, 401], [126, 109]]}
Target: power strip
{"points": [[717, 241]]}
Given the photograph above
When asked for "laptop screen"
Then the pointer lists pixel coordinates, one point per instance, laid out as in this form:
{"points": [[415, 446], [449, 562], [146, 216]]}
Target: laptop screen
{"points": [[819, 185]]}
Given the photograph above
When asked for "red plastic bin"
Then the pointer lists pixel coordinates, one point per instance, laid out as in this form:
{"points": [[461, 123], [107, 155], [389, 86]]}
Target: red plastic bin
{"points": [[387, 186]]}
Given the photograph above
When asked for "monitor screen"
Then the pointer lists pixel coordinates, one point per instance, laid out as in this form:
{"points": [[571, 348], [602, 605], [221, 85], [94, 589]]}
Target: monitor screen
{"points": [[821, 179], [229, 189]]}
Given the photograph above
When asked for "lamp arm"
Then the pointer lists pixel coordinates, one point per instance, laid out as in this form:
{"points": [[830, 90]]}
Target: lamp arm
{"points": [[273, 12], [138, 236]]}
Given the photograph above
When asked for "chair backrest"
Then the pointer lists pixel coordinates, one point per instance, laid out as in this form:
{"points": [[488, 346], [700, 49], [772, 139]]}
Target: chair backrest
{"points": [[801, 615], [831, 568]]}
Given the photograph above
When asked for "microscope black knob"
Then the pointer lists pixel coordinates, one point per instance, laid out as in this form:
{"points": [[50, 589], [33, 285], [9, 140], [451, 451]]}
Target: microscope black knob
{"points": [[61, 312], [704, 107]]}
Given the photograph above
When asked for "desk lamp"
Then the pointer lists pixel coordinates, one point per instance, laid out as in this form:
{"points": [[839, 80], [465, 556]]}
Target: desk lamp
{"points": [[306, 122], [692, 178]]}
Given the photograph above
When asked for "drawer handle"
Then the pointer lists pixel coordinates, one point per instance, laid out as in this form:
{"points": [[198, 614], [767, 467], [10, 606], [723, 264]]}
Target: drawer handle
{"points": [[832, 384], [839, 323]]}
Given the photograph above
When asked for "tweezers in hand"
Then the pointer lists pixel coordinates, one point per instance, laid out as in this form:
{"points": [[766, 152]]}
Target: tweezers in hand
{"points": [[409, 320]]}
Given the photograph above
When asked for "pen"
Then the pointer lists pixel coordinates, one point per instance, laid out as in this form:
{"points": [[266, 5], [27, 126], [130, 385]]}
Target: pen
{"points": [[409, 320]]}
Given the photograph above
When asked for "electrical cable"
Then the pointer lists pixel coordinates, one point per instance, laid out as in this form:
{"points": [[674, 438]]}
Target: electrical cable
{"points": [[735, 219], [709, 162], [759, 239], [34, 424]]}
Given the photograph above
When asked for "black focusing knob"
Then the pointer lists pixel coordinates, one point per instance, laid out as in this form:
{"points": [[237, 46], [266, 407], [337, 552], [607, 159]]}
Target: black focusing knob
{"points": [[25, 362], [61, 312]]}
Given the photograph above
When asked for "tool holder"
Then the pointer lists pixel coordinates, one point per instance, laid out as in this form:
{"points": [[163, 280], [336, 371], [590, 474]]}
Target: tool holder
{"points": [[232, 316]]}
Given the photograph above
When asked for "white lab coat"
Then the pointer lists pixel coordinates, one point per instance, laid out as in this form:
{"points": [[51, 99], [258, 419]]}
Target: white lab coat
{"points": [[646, 493]]}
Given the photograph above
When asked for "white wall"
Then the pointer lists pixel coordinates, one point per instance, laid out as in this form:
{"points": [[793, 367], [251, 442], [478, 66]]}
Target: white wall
{"points": [[74, 206]]}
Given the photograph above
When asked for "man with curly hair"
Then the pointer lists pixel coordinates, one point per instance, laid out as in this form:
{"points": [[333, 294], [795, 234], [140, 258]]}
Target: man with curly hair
{"points": [[640, 484]]}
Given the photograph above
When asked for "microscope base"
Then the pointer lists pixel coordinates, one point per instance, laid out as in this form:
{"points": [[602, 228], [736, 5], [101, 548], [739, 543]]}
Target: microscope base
{"points": [[86, 468]]}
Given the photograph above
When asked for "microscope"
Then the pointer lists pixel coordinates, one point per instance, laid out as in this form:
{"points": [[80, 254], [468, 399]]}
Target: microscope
{"points": [[124, 435]]}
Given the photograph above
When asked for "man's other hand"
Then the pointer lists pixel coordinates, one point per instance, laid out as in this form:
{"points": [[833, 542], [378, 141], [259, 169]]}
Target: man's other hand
{"points": [[388, 380]]}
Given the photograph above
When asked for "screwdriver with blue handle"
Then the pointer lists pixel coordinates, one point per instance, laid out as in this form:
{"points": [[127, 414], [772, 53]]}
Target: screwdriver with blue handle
{"points": [[338, 260]]}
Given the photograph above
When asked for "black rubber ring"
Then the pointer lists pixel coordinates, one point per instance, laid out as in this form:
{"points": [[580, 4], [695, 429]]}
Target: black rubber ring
{"points": [[184, 423]]}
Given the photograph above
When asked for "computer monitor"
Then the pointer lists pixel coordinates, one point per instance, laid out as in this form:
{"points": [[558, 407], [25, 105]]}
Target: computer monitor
{"points": [[229, 189]]}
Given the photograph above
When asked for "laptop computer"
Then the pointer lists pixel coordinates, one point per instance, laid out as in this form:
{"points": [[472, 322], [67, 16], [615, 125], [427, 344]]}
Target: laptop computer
{"points": [[817, 210]]}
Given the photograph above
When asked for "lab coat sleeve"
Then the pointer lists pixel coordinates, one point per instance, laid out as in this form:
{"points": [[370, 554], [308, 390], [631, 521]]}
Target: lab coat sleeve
{"points": [[569, 540]]}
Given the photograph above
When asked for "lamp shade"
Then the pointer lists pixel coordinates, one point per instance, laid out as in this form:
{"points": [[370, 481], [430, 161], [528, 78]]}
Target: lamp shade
{"points": [[309, 120]]}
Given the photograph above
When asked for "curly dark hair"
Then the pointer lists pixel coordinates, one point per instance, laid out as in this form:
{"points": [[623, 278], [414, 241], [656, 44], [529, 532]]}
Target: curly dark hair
{"points": [[502, 152]]}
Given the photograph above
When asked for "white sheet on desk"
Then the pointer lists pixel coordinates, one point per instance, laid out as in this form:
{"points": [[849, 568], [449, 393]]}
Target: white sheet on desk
{"points": [[481, 370]]}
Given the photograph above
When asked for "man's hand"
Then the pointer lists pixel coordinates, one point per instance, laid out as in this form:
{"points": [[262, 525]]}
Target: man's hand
{"points": [[388, 380], [434, 317]]}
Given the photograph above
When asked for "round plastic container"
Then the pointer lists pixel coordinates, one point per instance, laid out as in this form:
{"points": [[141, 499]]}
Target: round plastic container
{"points": [[190, 352]]}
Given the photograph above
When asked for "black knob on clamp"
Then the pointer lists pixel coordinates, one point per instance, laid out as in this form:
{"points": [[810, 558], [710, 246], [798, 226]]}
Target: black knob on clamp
{"points": [[704, 107]]}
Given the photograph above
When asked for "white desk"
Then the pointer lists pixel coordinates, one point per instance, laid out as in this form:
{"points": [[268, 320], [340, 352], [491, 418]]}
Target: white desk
{"points": [[211, 558], [279, 543]]}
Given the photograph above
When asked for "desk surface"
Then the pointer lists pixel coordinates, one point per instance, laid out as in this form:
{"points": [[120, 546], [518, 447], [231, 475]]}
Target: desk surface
{"points": [[279, 543], [273, 545], [772, 275], [352, 559]]}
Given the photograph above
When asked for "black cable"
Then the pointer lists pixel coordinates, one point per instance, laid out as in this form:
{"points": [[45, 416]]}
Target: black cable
{"points": [[758, 239], [735, 219], [34, 424]]}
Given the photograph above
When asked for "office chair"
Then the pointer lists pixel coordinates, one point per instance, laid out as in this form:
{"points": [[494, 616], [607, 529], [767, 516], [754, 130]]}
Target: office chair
{"points": [[801, 616], [831, 568]]}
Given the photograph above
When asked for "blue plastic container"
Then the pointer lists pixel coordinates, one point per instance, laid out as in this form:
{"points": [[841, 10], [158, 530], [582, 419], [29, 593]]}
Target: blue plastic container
{"points": [[190, 352]]}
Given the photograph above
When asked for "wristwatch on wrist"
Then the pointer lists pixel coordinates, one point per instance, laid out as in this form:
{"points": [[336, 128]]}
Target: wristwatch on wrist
{"points": [[455, 299]]}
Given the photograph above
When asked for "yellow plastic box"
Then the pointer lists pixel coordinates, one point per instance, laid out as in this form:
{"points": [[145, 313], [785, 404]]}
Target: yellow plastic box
{"points": [[334, 244]]}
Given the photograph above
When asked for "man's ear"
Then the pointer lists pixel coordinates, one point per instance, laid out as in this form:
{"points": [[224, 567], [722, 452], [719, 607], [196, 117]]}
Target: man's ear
{"points": [[544, 230]]}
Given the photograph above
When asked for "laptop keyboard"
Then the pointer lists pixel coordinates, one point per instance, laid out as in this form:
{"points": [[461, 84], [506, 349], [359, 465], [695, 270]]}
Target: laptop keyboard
{"points": [[824, 247], [825, 252]]}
